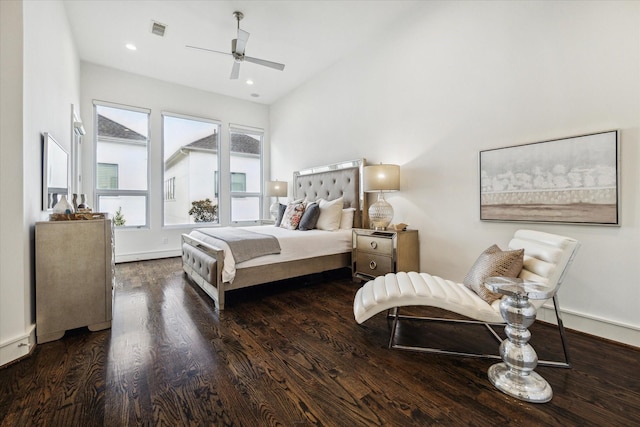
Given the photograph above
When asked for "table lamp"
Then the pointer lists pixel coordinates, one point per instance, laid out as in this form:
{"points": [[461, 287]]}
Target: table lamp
{"points": [[381, 179], [275, 189]]}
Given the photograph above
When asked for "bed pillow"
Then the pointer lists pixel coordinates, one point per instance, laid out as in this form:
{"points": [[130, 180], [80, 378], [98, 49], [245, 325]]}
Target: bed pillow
{"points": [[330, 214], [281, 209], [493, 262], [292, 215], [346, 219], [310, 217]]}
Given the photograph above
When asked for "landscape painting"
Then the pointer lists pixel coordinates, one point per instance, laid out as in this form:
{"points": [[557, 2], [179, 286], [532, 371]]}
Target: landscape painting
{"points": [[569, 180]]}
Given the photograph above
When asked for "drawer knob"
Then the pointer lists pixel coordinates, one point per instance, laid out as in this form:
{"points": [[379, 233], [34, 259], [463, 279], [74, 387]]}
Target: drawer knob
{"points": [[373, 244], [373, 265]]}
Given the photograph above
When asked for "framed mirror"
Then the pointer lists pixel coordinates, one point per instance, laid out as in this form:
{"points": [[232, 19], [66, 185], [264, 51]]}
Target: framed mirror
{"points": [[55, 171]]}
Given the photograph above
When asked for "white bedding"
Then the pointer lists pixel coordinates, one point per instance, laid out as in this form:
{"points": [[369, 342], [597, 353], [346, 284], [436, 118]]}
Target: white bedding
{"points": [[294, 245]]}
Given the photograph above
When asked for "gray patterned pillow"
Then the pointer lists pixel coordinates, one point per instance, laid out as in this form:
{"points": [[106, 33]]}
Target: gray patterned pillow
{"points": [[493, 262]]}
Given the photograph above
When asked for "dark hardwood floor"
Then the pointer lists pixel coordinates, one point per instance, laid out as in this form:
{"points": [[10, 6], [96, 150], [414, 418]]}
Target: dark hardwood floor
{"points": [[291, 354]]}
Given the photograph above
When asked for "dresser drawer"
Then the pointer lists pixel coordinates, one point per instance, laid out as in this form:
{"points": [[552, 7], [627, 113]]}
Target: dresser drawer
{"points": [[373, 264], [375, 244]]}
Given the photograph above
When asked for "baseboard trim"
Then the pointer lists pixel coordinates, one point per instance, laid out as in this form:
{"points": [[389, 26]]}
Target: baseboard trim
{"points": [[18, 348], [143, 256], [593, 325]]}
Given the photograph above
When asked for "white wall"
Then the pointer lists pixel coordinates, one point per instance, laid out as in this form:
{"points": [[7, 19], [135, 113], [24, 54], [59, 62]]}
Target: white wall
{"points": [[106, 84], [39, 84], [455, 78]]}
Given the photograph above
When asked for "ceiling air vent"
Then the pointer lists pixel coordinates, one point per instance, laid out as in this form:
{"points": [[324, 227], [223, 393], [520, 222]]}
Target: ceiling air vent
{"points": [[158, 29]]}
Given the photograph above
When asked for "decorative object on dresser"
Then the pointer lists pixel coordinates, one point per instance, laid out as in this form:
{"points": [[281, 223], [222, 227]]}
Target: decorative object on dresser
{"points": [[63, 206], [275, 189], [381, 179], [74, 276], [376, 253]]}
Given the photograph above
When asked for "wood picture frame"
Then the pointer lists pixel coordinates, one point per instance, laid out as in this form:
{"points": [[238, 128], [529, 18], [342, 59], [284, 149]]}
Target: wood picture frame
{"points": [[571, 180]]}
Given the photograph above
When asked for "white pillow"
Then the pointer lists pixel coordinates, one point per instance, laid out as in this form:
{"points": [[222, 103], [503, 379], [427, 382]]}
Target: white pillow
{"points": [[346, 220], [330, 214]]}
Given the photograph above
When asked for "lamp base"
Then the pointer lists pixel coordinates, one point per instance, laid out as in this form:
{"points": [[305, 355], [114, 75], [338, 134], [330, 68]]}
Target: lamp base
{"points": [[274, 208], [380, 213]]}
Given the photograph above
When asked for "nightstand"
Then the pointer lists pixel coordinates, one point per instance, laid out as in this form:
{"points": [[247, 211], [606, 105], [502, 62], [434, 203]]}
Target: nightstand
{"points": [[376, 253]]}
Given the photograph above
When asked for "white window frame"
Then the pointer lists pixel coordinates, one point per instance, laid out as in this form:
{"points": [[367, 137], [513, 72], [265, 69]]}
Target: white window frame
{"points": [[235, 128], [104, 192], [164, 114]]}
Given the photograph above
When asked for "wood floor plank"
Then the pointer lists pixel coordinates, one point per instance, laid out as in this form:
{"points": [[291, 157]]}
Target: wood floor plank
{"points": [[290, 354]]}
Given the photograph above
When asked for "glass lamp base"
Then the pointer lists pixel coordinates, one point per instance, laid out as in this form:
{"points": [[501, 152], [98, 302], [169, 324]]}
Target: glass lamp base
{"points": [[380, 213], [274, 208]]}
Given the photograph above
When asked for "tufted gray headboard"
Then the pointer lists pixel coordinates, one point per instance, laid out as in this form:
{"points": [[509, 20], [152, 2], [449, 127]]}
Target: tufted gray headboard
{"points": [[331, 182]]}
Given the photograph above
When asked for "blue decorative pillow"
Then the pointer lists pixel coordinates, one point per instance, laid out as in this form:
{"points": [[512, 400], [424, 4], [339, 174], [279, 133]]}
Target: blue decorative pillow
{"points": [[281, 209], [310, 217]]}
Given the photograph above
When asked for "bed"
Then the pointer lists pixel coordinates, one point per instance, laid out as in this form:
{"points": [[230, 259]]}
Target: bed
{"points": [[209, 263]]}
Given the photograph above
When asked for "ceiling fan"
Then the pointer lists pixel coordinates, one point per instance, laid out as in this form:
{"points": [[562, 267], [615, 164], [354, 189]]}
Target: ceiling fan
{"points": [[237, 51]]}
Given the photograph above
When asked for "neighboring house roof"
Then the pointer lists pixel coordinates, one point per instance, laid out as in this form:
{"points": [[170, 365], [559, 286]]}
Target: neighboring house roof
{"points": [[240, 143], [111, 129]]}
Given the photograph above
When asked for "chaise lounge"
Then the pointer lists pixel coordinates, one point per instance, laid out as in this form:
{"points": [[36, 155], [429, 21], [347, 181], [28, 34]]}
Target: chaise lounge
{"points": [[546, 260]]}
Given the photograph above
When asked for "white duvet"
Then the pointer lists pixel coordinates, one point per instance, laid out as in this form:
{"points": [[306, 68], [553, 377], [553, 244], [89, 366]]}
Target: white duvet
{"points": [[294, 245]]}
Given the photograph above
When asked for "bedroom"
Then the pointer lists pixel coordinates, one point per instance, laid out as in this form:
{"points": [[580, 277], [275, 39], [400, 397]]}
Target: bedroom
{"points": [[491, 75]]}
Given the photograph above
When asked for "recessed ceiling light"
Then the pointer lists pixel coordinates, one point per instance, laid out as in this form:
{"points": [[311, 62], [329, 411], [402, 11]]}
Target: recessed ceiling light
{"points": [[131, 46], [249, 82]]}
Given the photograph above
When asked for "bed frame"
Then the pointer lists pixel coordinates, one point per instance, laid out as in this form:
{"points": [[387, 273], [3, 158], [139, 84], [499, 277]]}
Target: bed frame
{"points": [[203, 263]]}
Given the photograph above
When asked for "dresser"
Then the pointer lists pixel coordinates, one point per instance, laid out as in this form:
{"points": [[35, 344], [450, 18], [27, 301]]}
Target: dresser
{"points": [[376, 253], [75, 273]]}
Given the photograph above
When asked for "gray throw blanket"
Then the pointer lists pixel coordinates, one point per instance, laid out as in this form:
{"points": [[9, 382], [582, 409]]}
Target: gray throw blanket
{"points": [[244, 245]]}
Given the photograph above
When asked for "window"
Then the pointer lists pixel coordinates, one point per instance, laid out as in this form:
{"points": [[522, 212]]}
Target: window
{"points": [[238, 181], [121, 180], [191, 163], [246, 178], [107, 176], [170, 189]]}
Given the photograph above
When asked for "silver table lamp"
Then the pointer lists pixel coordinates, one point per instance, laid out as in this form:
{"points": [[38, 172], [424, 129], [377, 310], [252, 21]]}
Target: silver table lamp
{"points": [[275, 189], [381, 179]]}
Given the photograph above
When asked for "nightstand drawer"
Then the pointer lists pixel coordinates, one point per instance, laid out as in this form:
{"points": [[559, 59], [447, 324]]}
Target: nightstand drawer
{"points": [[373, 264], [375, 244]]}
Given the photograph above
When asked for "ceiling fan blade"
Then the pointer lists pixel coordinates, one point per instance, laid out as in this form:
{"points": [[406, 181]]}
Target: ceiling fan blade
{"points": [[208, 50], [235, 71], [269, 64], [241, 44]]}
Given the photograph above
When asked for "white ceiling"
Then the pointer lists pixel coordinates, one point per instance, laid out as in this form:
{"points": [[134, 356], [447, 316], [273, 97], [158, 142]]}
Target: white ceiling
{"points": [[307, 36]]}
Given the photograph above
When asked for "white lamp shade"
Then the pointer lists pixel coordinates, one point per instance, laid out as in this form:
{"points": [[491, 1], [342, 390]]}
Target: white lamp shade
{"points": [[381, 178], [276, 189]]}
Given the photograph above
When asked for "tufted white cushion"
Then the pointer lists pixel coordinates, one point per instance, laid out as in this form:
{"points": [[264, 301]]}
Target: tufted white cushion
{"points": [[402, 289]]}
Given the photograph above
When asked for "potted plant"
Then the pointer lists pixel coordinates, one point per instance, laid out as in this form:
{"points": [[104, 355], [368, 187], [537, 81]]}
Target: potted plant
{"points": [[204, 211]]}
